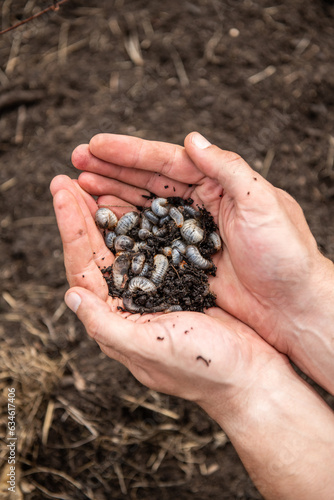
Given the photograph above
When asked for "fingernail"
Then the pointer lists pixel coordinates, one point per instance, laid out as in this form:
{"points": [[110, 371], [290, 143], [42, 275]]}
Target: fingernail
{"points": [[73, 301], [199, 141]]}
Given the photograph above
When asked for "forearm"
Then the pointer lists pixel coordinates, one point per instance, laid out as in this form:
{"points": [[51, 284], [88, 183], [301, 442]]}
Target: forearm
{"points": [[311, 327], [284, 434]]}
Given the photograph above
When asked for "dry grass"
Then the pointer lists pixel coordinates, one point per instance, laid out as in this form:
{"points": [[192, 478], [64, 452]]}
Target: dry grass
{"points": [[53, 417], [85, 428]]}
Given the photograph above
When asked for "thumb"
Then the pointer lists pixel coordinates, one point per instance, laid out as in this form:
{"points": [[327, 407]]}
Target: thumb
{"points": [[102, 325], [228, 168]]}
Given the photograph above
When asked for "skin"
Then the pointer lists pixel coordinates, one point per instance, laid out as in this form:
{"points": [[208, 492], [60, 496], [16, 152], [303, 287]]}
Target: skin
{"points": [[213, 359], [271, 274]]}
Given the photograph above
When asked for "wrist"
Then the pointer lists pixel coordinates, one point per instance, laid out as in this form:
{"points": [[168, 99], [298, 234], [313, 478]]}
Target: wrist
{"points": [[283, 433], [310, 326]]}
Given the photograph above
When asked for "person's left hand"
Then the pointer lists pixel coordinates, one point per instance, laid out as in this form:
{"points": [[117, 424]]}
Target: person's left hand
{"points": [[187, 354]]}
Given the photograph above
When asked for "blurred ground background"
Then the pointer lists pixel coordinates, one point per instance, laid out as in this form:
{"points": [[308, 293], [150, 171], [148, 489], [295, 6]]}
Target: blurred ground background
{"points": [[253, 77]]}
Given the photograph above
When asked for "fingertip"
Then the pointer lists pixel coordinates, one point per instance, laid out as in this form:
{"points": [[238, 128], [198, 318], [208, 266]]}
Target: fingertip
{"points": [[102, 325], [63, 199], [197, 140], [85, 181], [97, 140], [58, 183], [80, 156], [72, 300]]}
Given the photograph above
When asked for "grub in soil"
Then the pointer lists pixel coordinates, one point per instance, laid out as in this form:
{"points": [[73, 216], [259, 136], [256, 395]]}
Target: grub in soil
{"points": [[168, 265]]}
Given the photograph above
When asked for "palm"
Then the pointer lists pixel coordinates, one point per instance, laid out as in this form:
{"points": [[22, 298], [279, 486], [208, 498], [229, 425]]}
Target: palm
{"points": [[161, 349], [252, 276]]}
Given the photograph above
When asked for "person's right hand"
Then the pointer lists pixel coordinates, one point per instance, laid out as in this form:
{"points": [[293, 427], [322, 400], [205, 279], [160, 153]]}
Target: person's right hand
{"points": [[270, 274]]}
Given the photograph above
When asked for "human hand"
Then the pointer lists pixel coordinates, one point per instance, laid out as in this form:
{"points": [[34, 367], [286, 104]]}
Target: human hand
{"points": [[188, 354], [213, 359], [270, 274]]}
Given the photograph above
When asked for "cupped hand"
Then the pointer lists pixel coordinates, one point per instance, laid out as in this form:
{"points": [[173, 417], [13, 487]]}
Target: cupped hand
{"points": [[270, 268], [192, 355]]}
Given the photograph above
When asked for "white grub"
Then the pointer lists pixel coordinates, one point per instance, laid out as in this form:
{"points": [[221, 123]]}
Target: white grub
{"points": [[194, 256], [176, 216], [105, 218], [177, 257], [163, 220], [127, 222], [160, 207], [146, 270], [151, 217], [145, 223], [180, 230], [137, 263], [144, 234], [141, 245], [191, 211], [180, 245], [129, 305], [123, 243], [167, 251], [191, 231], [216, 241], [160, 263], [173, 308], [141, 283], [119, 269], [160, 232], [109, 239]]}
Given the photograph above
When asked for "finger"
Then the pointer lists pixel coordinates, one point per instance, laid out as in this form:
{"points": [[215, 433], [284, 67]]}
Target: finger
{"points": [[170, 160], [238, 179], [98, 186], [88, 207], [80, 265], [106, 327], [117, 205], [85, 200], [149, 182]]}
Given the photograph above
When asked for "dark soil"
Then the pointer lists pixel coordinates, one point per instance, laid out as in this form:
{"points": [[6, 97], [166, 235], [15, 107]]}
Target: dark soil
{"points": [[183, 285], [253, 77]]}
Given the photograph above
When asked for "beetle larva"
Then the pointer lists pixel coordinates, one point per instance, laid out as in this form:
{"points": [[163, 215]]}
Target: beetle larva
{"points": [[109, 239], [216, 241], [119, 269], [137, 263], [192, 231], [159, 207], [194, 256], [160, 268], [127, 222], [105, 218], [123, 243], [140, 283], [176, 216]]}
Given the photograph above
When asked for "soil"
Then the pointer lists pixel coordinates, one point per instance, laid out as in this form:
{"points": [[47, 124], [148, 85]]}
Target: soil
{"points": [[251, 76], [182, 285]]}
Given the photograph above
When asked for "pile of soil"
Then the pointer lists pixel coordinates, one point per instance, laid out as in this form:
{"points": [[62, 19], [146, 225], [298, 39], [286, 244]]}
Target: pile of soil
{"points": [[184, 285], [253, 77]]}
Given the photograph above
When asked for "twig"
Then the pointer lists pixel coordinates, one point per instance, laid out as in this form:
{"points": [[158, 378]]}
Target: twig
{"points": [[55, 6], [35, 221], [330, 156], [17, 97], [262, 75], [47, 421], [149, 406], [180, 69], [175, 271], [267, 162], [21, 118]]}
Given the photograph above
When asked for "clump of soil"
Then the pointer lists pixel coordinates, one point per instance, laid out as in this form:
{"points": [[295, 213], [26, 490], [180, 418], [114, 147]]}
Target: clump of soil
{"points": [[185, 286]]}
